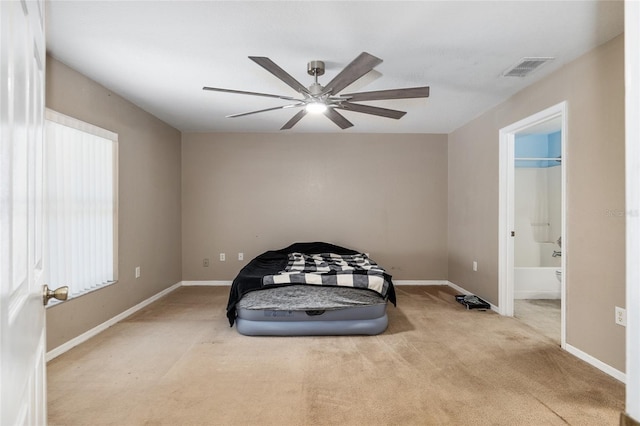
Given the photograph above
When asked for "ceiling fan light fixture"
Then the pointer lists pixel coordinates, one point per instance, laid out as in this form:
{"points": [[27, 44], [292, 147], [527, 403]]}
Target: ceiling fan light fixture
{"points": [[316, 107]]}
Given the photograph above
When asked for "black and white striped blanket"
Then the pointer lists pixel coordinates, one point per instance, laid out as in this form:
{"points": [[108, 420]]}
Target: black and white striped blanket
{"points": [[330, 269]]}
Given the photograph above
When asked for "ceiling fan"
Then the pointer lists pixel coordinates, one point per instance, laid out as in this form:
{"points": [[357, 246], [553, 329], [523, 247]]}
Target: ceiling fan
{"points": [[327, 99]]}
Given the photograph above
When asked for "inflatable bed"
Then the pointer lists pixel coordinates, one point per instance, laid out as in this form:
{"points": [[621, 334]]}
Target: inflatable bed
{"points": [[310, 289]]}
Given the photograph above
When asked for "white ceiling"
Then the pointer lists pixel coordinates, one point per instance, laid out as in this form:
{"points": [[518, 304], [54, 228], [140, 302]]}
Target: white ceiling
{"points": [[159, 54]]}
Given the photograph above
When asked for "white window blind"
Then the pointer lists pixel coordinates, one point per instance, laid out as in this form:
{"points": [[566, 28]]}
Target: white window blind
{"points": [[80, 204]]}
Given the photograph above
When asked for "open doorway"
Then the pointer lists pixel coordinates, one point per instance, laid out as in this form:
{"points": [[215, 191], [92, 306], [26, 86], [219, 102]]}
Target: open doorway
{"points": [[533, 245]]}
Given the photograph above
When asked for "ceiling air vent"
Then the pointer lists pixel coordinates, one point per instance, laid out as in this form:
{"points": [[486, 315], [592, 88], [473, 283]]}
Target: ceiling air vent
{"points": [[526, 66]]}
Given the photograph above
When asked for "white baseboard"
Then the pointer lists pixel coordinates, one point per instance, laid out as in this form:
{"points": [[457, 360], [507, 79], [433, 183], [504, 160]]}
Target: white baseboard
{"points": [[616, 374], [465, 291], [207, 283], [458, 288], [97, 329]]}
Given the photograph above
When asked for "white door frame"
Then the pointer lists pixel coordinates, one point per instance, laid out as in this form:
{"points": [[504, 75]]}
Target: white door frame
{"points": [[506, 208], [632, 109]]}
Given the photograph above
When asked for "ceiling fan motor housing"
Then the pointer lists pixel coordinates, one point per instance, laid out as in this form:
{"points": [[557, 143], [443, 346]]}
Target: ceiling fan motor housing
{"points": [[315, 68]]}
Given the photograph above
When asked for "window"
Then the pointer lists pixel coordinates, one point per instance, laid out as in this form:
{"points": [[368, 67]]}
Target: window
{"points": [[81, 207]]}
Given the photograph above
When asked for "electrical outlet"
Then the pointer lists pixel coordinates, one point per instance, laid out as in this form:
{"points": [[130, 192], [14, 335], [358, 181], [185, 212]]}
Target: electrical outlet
{"points": [[205, 262], [240, 256], [475, 266], [222, 257], [137, 272], [621, 316]]}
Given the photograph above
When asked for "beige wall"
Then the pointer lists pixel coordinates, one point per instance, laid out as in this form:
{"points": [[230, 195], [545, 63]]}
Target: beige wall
{"points": [[593, 87], [149, 196], [383, 194]]}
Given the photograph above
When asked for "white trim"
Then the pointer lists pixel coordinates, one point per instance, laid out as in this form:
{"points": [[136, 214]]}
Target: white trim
{"points": [[506, 214], [206, 283], [99, 328], [632, 158], [506, 166], [465, 291], [606, 368], [74, 123]]}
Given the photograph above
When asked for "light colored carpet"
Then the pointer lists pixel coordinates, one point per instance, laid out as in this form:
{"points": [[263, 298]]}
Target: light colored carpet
{"points": [[177, 362]]}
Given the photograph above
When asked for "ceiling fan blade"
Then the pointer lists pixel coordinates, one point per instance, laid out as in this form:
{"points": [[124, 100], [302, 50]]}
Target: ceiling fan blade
{"points": [[365, 80], [411, 92], [289, 124], [274, 69], [242, 114], [242, 92], [356, 69], [337, 118], [367, 109]]}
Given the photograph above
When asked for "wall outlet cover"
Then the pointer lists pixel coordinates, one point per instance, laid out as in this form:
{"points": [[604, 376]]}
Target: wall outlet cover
{"points": [[621, 316]]}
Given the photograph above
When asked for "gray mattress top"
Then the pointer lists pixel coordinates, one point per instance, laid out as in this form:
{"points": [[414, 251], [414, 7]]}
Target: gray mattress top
{"points": [[308, 297]]}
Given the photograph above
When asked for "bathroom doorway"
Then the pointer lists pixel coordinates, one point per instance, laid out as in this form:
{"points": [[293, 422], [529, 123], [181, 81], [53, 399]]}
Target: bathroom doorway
{"points": [[532, 221], [538, 226]]}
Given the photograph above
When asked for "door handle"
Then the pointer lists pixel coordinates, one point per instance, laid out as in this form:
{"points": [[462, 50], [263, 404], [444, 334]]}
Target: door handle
{"points": [[60, 293]]}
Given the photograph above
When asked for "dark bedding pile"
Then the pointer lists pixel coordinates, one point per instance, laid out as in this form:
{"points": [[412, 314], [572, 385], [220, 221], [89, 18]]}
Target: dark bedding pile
{"points": [[273, 262]]}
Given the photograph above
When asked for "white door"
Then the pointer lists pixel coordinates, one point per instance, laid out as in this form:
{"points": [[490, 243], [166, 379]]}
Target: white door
{"points": [[22, 314]]}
